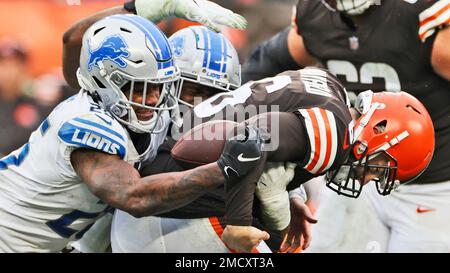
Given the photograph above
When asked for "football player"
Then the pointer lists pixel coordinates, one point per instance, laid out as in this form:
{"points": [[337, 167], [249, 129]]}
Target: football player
{"points": [[378, 45], [314, 127], [208, 64], [82, 158], [194, 48]]}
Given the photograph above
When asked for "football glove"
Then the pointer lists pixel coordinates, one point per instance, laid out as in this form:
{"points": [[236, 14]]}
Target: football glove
{"points": [[273, 196], [241, 153], [205, 12]]}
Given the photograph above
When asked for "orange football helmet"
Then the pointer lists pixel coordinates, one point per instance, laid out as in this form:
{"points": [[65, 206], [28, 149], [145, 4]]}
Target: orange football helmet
{"points": [[393, 143]]}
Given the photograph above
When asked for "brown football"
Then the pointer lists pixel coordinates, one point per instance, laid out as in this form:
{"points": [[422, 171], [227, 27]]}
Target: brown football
{"points": [[202, 144]]}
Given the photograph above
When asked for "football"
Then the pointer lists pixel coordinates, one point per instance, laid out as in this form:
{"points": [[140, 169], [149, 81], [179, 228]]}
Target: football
{"points": [[202, 144]]}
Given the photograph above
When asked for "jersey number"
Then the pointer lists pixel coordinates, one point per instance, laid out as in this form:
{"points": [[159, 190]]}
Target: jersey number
{"points": [[367, 73], [240, 95], [15, 160], [61, 225]]}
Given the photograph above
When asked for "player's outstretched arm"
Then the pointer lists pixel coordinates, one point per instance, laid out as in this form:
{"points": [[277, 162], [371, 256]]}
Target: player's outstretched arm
{"points": [[205, 12], [284, 51], [117, 183]]}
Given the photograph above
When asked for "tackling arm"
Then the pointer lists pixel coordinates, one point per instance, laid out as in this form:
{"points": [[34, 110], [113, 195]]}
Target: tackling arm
{"points": [[120, 185], [284, 51]]}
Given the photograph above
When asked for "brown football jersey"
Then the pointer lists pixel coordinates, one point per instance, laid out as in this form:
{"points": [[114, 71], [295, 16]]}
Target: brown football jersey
{"points": [[313, 94], [314, 132], [311, 109]]}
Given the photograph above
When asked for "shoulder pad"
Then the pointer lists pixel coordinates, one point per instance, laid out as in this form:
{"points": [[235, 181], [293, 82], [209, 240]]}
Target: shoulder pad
{"points": [[95, 131]]}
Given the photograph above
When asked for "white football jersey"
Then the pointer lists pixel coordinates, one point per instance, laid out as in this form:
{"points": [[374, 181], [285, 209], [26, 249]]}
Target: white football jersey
{"points": [[43, 203]]}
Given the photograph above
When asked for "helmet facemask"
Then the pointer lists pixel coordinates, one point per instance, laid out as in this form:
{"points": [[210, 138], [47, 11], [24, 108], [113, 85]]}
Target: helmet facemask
{"points": [[214, 85], [124, 54], [126, 109], [351, 176]]}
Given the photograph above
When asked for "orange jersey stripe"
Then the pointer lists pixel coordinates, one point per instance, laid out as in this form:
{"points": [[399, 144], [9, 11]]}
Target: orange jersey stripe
{"points": [[315, 125], [328, 134], [435, 15], [423, 35], [215, 223]]}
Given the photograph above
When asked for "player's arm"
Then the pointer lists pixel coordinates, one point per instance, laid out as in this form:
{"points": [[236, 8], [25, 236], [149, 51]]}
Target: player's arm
{"points": [[206, 12], [287, 143], [284, 51], [72, 42], [291, 145], [269, 58], [440, 55], [298, 50], [117, 183], [434, 22]]}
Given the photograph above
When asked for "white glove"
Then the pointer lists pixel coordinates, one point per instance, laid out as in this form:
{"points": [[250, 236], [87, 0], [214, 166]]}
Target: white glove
{"points": [[205, 12], [271, 192], [299, 193]]}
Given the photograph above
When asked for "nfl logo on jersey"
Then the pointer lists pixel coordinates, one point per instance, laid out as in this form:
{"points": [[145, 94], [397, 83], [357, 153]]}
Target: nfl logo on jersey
{"points": [[354, 43]]}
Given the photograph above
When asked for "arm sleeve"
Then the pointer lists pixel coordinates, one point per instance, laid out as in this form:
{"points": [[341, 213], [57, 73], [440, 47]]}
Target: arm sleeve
{"points": [[269, 58], [291, 147]]}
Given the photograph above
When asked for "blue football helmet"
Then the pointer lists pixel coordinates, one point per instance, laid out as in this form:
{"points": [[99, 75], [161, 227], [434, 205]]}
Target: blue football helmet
{"points": [[205, 57], [125, 54]]}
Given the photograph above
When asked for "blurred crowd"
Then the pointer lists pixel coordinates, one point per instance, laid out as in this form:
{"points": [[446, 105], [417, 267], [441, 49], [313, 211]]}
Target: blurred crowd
{"points": [[31, 81], [25, 100]]}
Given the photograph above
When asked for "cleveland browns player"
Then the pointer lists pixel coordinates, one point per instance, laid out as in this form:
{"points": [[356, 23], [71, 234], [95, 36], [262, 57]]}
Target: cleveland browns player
{"points": [[378, 45], [310, 124]]}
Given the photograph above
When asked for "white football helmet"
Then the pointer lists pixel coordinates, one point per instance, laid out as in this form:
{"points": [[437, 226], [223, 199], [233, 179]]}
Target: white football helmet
{"points": [[205, 57], [350, 7], [120, 52]]}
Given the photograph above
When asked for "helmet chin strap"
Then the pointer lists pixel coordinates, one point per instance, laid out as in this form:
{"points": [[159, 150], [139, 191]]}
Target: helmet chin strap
{"points": [[364, 121]]}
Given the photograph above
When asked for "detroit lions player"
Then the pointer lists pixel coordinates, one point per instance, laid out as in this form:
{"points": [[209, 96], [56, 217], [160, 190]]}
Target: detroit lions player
{"points": [[81, 158], [208, 63], [154, 10]]}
